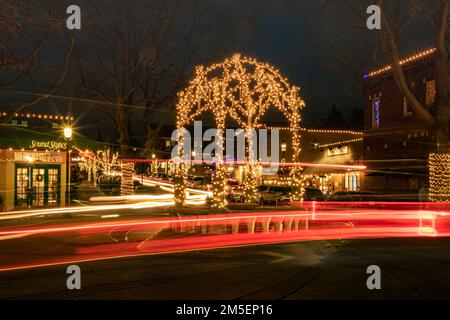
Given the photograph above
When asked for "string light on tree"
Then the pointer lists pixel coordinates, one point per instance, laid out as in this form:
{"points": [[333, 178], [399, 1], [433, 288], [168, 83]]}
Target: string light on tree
{"points": [[243, 89], [126, 181]]}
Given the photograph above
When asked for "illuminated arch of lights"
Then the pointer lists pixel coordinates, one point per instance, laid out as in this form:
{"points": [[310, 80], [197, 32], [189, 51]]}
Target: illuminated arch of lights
{"points": [[243, 89]]}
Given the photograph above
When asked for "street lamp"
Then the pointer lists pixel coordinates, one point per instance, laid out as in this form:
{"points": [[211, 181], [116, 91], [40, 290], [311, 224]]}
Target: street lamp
{"points": [[283, 150], [68, 133], [68, 137]]}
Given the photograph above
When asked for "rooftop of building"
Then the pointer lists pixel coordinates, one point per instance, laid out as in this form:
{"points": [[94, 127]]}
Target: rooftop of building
{"points": [[417, 58]]}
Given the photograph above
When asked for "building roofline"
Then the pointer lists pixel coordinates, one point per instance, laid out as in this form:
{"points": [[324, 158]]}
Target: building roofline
{"points": [[405, 61], [38, 116]]}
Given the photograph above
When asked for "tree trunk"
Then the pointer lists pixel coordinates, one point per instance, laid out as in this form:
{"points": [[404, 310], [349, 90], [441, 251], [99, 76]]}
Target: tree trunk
{"points": [[123, 127], [440, 131]]}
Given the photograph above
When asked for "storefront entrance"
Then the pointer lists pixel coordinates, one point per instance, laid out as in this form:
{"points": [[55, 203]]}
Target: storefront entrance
{"points": [[37, 185]]}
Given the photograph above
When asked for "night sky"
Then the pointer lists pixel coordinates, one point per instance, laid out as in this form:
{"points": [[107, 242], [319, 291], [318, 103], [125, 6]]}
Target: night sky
{"points": [[295, 36]]}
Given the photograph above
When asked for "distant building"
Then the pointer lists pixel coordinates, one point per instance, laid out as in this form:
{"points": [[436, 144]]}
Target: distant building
{"points": [[330, 158], [396, 141]]}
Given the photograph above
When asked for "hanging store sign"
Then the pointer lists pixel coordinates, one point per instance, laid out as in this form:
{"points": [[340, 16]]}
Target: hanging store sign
{"points": [[338, 151], [49, 145]]}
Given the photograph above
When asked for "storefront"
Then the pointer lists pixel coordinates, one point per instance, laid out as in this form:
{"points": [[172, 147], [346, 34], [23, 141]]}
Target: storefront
{"points": [[333, 160], [32, 178], [34, 153], [329, 182]]}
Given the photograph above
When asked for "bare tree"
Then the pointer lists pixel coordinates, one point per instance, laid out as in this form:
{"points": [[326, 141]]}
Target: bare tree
{"points": [[438, 116], [139, 54], [133, 60], [25, 30]]}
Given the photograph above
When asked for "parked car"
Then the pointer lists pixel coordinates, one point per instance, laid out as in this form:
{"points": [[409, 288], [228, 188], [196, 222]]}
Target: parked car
{"points": [[273, 194], [231, 185], [236, 193], [199, 182], [312, 194], [353, 196]]}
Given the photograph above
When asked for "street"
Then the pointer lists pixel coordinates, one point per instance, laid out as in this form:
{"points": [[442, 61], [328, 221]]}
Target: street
{"points": [[411, 269], [312, 251]]}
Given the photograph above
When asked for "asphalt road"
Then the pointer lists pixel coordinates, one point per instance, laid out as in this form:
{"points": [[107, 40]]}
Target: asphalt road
{"points": [[410, 269]]}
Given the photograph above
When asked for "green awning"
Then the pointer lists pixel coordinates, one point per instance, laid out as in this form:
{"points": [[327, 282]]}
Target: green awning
{"points": [[23, 137]]}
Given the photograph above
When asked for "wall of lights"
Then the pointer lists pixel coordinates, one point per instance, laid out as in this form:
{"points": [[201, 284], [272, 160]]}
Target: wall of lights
{"points": [[243, 89], [126, 181], [439, 176]]}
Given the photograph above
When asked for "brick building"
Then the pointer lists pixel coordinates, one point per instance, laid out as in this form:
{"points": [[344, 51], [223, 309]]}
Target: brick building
{"points": [[397, 142]]}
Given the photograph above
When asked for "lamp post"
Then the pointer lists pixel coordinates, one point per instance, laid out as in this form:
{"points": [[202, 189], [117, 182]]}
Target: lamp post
{"points": [[29, 184], [153, 168], [68, 137], [283, 150]]}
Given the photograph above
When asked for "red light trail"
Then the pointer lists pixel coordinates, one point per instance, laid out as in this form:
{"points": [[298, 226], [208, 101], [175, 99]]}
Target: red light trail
{"points": [[226, 230]]}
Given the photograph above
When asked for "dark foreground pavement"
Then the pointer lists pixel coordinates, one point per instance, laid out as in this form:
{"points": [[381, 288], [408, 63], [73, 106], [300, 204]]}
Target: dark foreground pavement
{"points": [[411, 269]]}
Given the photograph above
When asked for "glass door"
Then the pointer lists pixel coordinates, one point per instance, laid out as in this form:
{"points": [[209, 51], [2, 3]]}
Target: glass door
{"points": [[22, 180], [37, 185], [53, 186]]}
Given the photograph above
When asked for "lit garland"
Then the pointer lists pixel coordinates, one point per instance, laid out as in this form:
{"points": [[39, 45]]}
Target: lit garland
{"points": [[439, 177], [244, 89], [352, 132], [93, 162], [107, 159], [126, 181], [407, 60], [38, 116], [339, 143]]}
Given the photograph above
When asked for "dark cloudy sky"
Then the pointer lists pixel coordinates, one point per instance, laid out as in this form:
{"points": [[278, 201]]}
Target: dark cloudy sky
{"points": [[300, 38], [293, 39]]}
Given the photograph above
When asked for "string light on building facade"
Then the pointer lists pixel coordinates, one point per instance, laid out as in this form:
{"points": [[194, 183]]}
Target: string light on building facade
{"points": [[39, 116], [412, 58], [339, 143]]}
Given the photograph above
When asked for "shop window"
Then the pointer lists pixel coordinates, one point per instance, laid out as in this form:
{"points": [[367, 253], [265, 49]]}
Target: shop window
{"points": [[351, 182], [430, 92], [53, 186], [21, 186], [375, 113]]}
